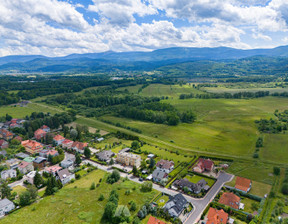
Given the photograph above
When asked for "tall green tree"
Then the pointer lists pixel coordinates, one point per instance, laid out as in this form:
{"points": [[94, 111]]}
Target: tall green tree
{"points": [[38, 180], [87, 152], [5, 190]]}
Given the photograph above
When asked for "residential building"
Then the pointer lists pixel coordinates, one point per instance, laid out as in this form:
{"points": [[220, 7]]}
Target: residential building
{"points": [[176, 205], [99, 139], [67, 144], [45, 128], [150, 156], [230, 199], [158, 175], [6, 206], [58, 139], [3, 144], [243, 184], [21, 155], [32, 146], [3, 153], [18, 138], [129, 159], [65, 176], [5, 174], [195, 188], [52, 169], [45, 153], [105, 155], [165, 165], [39, 162], [12, 163], [30, 177], [125, 150], [7, 135], [79, 146], [39, 133], [215, 216], [25, 167], [204, 165], [67, 163], [153, 220]]}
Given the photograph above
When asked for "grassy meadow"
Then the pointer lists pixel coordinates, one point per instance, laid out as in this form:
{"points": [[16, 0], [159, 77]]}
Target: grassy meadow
{"points": [[76, 203]]}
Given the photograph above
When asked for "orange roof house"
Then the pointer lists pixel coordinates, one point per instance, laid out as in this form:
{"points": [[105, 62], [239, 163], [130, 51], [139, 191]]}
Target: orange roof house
{"points": [[230, 199], [153, 220], [67, 144], [243, 184], [215, 216], [7, 135], [79, 146], [32, 146], [39, 133], [58, 139], [204, 165]]}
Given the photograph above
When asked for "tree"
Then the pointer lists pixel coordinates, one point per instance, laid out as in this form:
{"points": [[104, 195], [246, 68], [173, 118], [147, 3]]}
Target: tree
{"points": [[73, 134], [111, 162], [65, 130], [113, 177], [109, 211], [101, 197], [78, 159], [8, 117], [146, 187], [5, 190], [135, 171], [92, 187], [285, 189], [152, 163], [51, 186], [276, 170], [25, 198], [133, 206], [33, 192], [50, 157], [135, 145], [38, 180], [87, 152], [59, 184]]}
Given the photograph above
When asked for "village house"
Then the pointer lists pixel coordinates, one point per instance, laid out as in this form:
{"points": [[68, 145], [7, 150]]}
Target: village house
{"points": [[204, 165], [230, 199], [21, 155], [195, 188], [176, 205], [165, 165], [52, 169], [58, 139], [31, 146], [153, 220], [30, 177], [6, 206], [12, 163], [215, 216], [129, 159], [66, 163], [39, 162], [158, 175], [105, 155], [7, 135], [5, 174], [45, 128], [18, 138], [25, 167], [65, 176], [67, 144], [45, 153], [79, 146], [243, 184], [3, 144], [39, 133]]}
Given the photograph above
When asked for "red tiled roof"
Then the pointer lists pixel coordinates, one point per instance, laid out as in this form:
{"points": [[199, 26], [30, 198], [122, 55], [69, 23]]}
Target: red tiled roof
{"points": [[153, 220], [67, 141], [23, 164], [206, 164], [31, 144], [216, 216], [165, 164], [53, 169], [58, 137], [230, 199], [242, 184], [39, 132], [2, 141], [79, 145], [19, 138], [52, 152], [44, 127], [5, 132]]}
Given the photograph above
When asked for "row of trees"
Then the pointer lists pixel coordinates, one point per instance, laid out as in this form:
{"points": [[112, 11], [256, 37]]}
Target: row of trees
{"points": [[6, 98]]}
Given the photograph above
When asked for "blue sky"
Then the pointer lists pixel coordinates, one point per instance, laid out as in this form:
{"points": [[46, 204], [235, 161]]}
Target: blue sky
{"points": [[62, 27]]}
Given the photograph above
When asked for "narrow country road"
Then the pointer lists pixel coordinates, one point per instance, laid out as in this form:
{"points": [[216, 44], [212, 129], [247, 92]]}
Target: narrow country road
{"points": [[199, 205]]}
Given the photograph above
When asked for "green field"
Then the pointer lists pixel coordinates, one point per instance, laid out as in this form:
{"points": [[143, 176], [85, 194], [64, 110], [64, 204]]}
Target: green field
{"points": [[75, 203]]}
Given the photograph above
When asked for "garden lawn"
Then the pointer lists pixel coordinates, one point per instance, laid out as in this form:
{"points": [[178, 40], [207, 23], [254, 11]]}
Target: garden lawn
{"points": [[162, 200], [19, 189], [260, 189], [195, 179], [76, 203], [248, 204]]}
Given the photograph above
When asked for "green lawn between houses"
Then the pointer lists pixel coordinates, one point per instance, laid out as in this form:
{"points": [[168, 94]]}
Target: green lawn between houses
{"points": [[75, 203], [195, 178]]}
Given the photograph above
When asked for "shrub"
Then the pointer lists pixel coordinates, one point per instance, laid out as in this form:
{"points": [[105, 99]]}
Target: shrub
{"points": [[92, 187]]}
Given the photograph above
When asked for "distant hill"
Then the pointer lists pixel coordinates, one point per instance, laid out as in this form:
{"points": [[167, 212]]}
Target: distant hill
{"points": [[128, 61]]}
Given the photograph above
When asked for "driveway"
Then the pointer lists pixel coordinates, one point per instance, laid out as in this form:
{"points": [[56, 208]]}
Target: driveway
{"points": [[199, 205], [19, 182]]}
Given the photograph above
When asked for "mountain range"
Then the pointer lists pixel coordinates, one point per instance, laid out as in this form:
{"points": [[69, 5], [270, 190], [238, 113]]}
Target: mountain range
{"points": [[129, 61]]}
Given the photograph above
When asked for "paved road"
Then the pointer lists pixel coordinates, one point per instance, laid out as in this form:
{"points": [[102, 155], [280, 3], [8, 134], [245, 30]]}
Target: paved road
{"points": [[199, 205], [18, 183]]}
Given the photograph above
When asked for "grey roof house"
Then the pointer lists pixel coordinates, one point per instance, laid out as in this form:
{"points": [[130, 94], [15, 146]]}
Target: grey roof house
{"points": [[5, 174], [195, 188], [176, 205], [67, 163], [158, 175], [6, 206], [65, 176], [105, 155], [21, 155]]}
